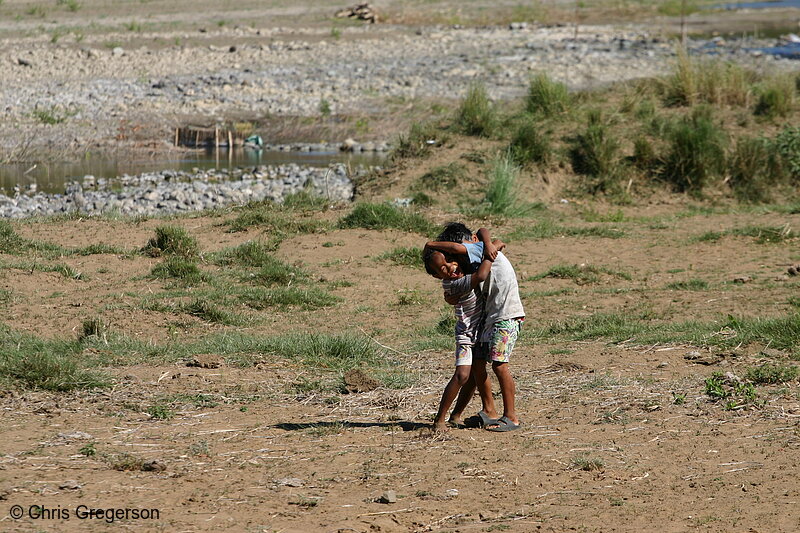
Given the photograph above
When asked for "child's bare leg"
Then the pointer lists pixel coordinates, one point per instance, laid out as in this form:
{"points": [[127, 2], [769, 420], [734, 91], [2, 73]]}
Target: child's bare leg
{"points": [[484, 386], [464, 396], [460, 377], [507, 390]]}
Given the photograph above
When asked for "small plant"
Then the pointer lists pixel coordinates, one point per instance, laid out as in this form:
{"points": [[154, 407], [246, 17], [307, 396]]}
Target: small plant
{"points": [[336, 33], [546, 97], [205, 310], [475, 115], [409, 297], [52, 115], [587, 463], [133, 26], [88, 450], [160, 412], [325, 107], [678, 398], [125, 462], [37, 11], [200, 449], [171, 240], [92, 327]]}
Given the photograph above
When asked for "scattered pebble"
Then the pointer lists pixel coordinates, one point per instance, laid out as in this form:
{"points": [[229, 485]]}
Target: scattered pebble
{"points": [[290, 482], [70, 484], [153, 466], [388, 497]]}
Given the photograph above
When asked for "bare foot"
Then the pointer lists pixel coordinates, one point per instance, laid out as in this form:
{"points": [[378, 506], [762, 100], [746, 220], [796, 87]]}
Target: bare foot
{"points": [[440, 427], [456, 422]]}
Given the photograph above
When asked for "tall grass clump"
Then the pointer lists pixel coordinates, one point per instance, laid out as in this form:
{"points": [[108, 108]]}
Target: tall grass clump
{"points": [[753, 169], [419, 141], [595, 154], [386, 216], [776, 97], [529, 144], [546, 97], [205, 310], [696, 152], [707, 81], [476, 115], [171, 240]]}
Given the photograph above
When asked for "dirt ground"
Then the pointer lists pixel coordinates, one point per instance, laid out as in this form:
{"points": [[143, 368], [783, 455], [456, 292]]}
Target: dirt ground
{"points": [[604, 446]]}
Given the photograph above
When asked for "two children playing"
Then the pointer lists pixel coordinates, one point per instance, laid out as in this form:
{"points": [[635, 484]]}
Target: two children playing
{"points": [[479, 281]]}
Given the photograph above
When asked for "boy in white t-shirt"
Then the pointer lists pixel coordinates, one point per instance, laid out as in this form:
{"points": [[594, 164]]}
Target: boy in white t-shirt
{"points": [[503, 316]]}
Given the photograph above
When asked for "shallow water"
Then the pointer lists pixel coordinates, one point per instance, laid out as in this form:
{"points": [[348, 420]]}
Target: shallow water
{"points": [[760, 5], [52, 177]]}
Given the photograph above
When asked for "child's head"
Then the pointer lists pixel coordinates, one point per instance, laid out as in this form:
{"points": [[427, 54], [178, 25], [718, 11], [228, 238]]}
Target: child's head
{"points": [[440, 266], [455, 232]]}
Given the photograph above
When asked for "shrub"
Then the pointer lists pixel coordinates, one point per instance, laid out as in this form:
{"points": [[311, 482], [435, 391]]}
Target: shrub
{"points": [[386, 216], [644, 155], [752, 169], [787, 144], [713, 82], [171, 240], [529, 144], [501, 191], [776, 97], [419, 141], [546, 96], [92, 327], [594, 154], [696, 153], [475, 115]]}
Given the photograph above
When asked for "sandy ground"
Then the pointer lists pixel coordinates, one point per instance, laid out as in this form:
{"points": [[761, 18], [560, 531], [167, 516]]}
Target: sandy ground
{"points": [[604, 445]]}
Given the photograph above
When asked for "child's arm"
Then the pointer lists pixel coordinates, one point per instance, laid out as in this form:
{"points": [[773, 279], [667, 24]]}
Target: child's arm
{"points": [[474, 280], [447, 248], [489, 249], [498, 244]]}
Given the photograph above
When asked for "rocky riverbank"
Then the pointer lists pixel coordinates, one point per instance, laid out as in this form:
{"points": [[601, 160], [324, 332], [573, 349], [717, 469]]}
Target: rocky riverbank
{"points": [[80, 91], [178, 191]]}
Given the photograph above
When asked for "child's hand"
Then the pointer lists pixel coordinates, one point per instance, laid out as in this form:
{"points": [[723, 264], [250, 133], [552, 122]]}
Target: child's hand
{"points": [[500, 245], [490, 251]]}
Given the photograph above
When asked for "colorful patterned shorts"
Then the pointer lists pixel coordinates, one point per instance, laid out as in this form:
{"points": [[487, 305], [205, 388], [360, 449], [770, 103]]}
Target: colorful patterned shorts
{"points": [[463, 354], [503, 338]]}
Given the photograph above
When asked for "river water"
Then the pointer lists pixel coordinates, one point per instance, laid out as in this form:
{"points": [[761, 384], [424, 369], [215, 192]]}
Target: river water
{"points": [[52, 177]]}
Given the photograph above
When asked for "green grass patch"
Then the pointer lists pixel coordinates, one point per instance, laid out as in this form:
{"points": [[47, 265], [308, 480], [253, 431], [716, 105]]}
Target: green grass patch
{"points": [[501, 197], [770, 374], [386, 216], [420, 140], [180, 268], [207, 311], [302, 297], [14, 244], [171, 240], [53, 365], [403, 256], [688, 285], [447, 176], [581, 274], [547, 229]]}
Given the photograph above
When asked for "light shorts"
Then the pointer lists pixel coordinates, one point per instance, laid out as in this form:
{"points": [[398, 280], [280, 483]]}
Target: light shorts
{"points": [[463, 354], [503, 338]]}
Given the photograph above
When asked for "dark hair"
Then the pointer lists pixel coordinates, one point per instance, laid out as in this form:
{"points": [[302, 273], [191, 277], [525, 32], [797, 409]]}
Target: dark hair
{"points": [[427, 255], [455, 232]]}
